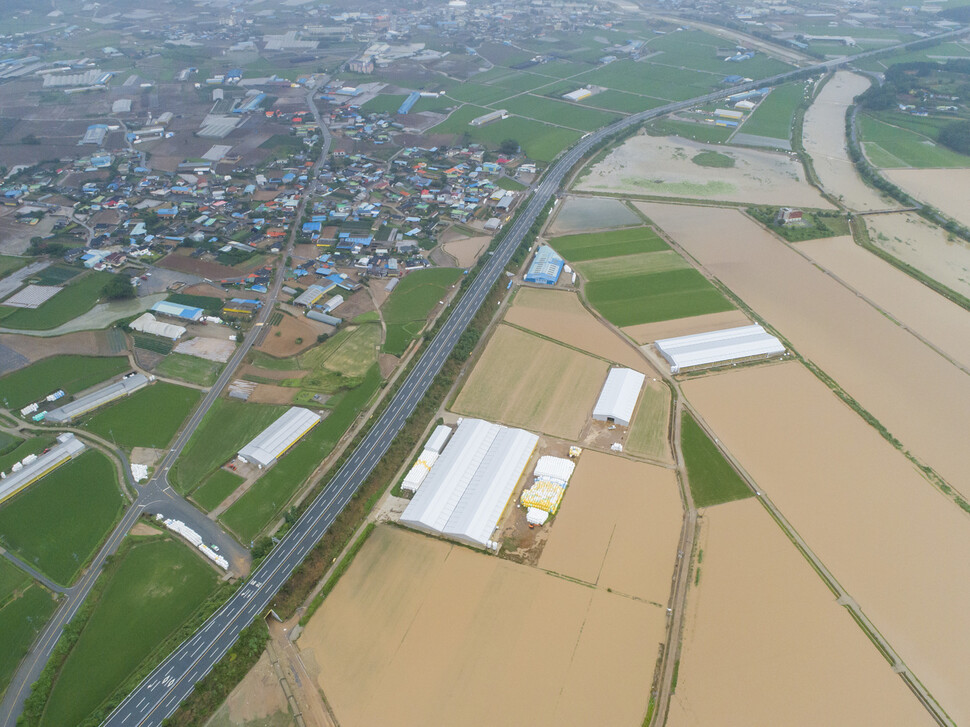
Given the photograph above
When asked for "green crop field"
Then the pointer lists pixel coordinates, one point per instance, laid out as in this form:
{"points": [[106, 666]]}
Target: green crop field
{"points": [[387, 103], [340, 362], [155, 344], [9, 264], [713, 159], [21, 619], [148, 418], [888, 146], [648, 79], [217, 487], [226, 427], [597, 245], [695, 49], [12, 579], [557, 112], [774, 115], [265, 500], [621, 101], [57, 274], [540, 141], [149, 592], [77, 298], [712, 479], [648, 432], [655, 297], [707, 133], [70, 373], [209, 303], [477, 93], [627, 265], [192, 369], [58, 522], [406, 310]]}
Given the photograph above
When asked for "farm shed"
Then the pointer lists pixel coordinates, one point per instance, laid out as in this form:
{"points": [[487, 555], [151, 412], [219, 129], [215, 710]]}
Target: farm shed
{"points": [[147, 323], [470, 484], [438, 438], [176, 310], [279, 436], [619, 395], [730, 344], [310, 296], [89, 402], [67, 448], [546, 267]]}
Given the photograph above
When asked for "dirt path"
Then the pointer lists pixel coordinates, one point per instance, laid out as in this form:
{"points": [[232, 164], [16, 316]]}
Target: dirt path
{"points": [[304, 697]]}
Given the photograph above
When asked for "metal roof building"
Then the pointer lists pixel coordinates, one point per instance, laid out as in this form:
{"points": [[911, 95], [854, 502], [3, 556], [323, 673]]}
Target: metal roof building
{"points": [[310, 296], [147, 323], [67, 448], [270, 444], [471, 482], [438, 439], [126, 387], [546, 266], [618, 397], [730, 344], [177, 310]]}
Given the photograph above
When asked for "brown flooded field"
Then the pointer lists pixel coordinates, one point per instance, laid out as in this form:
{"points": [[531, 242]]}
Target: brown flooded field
{"points": [[466, 250], [650, 332], [582, 214], [618, 527], [918, 395], [926, 247], [558, 314], [420, 632], [942, 323], [824, 138], [945, 189], [533, 383], [899, 547], [663, 166], [765, 642]]}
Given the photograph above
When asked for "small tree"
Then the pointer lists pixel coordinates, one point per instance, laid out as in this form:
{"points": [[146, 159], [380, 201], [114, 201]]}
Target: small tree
{"points": [[119, 288], [509, 147]]}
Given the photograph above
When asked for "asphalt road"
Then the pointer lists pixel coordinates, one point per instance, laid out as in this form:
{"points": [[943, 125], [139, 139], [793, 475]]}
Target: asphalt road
{"points": [[159, 695]]}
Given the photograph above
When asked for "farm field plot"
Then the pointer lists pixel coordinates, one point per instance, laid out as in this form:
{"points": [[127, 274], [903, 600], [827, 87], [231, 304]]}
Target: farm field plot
{"points": [[11, 263], [664, 167], [646, 333], [227, 427], [636, 299], [618, 527], [478, 93], [866, 353], [823, 134], [774, 116], [41, 523], [696, 49], [579, 214], [192, 369], [467, 250], [941, 322], [76, 298], [12, 579], [760, 631], [147, 418], [148, 593], [860, 505], [597, 245], [540, 141], [70, 373], [700, 132], [385, 616], [558, 112], [527, 381], [627, 265], [648, 79], [412, 301], [892, 146], [559, 315], [621, 101], [216, 488], [648, 435], [712, 480], [926, 247], [944, 189], [22, 615]]}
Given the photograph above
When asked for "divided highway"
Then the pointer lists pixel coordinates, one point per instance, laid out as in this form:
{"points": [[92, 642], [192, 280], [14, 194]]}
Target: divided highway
{"points": [[160, 694]]}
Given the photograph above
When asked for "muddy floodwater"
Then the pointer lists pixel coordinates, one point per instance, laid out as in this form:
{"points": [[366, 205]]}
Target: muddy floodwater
{"points": [[897, 546], [765, 637], [946, 189], [917, 394], [582, 214]]}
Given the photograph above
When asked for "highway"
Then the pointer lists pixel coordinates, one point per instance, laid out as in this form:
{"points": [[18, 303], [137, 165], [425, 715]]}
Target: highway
{"points": [[159, 694]]}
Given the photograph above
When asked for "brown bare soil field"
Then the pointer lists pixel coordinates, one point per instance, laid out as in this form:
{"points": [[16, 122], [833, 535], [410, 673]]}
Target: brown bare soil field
{"points": [[205, 289], [650, 332], [143, 528], [926, 247], [82, 343], [186, 264], [764, 639], [387, 364], [945, 189], [271, 394], [897, 546], [307, 252], [466, 251], [824, 139], [663, 166], [941, 322], [918, 395], [290, 329], [617, 527], [257, 700], [533, 383], [357, 303], [559, 314], [272, 374], [422, 632]]}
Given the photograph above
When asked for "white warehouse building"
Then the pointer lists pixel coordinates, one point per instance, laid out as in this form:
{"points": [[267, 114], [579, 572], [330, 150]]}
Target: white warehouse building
{"points": [[270, 444], [89, 402], [729, 344], [471, 483], [618, 397], [67, 448]]}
